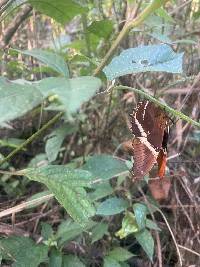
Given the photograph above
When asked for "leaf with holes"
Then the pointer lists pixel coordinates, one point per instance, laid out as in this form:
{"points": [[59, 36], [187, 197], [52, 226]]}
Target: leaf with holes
{"points": [[68, 187], [145, 58]]}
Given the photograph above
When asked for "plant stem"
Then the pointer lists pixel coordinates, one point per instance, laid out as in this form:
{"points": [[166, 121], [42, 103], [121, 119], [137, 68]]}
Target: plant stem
{"points": [[127, 27], [164, 106], [34, 136], [86, 34]]}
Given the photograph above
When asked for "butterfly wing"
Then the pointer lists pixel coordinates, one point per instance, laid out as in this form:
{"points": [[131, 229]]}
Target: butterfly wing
{"points": [[148, 125], [143, 157], [149, 121]]}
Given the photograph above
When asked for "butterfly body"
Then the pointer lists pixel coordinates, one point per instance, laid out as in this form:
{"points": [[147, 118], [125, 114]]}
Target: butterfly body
{"points": [[149, 126]]}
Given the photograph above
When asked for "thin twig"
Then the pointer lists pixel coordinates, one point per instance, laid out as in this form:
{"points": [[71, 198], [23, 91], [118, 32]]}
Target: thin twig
{"points": [[33, 137], [25, 205]]}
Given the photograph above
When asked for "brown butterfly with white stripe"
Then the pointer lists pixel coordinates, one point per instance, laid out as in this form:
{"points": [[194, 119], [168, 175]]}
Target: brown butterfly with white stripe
{"points": [[150, 125]]}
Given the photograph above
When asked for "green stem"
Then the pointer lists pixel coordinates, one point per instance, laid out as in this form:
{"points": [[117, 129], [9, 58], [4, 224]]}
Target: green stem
{"points": [[34, 136], [127, 27], [86, 34], [167, 108]]}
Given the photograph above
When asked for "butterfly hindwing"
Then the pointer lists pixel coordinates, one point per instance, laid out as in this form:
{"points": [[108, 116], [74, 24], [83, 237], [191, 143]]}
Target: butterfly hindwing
{"points": [[148, 126]]}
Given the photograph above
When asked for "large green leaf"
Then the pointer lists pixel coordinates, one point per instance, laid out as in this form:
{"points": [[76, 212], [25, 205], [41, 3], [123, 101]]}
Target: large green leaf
{"points": [[145, 58], [67, 186], [16, 100], [60, 10], [105, 166], [71, 92], [52, 59], [23, 251], [112, 206], [145, 239], [55, 140]]}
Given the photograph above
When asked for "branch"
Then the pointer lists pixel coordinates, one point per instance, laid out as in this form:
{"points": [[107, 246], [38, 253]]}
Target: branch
{"points": [[33, 137], [14, 25], [127, 27], [168, 109]]}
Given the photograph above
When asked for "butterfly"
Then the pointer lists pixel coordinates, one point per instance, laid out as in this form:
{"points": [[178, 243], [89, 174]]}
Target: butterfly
{"points": [[150, 126]]}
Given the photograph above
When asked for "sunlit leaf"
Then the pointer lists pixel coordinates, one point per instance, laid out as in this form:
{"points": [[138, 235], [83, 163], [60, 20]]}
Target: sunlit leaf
{"points": [[143, 59], [129, 226]]}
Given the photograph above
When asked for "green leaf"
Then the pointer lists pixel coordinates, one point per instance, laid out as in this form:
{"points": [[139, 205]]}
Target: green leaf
{"points": [[143, 59], [67, 186], [16, 100], [55, 140], [152, 225], [110, 262], [112, 206], [72, 261], [55, 259], [101, 190], [129, 225], [69, 230], [52, 59], [140, 211], [163, 14], [120, 254], [145, 239], [71, 92], [46, 231], [105, 166], [99, 231], [102, 28], [61, 10], [23, 251]]}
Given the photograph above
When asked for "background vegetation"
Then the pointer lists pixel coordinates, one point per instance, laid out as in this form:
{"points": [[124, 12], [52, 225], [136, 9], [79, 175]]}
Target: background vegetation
{"points": [[67, 197]]}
